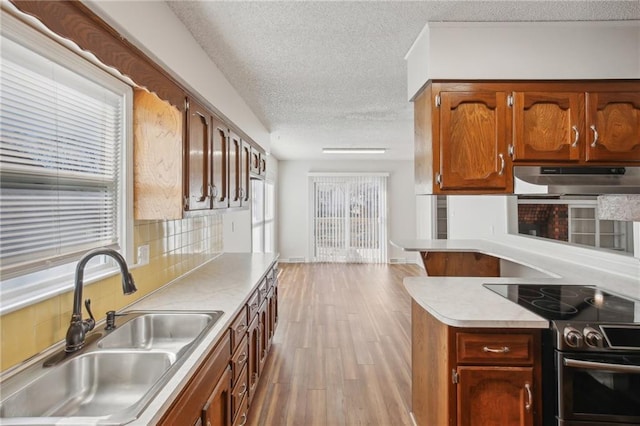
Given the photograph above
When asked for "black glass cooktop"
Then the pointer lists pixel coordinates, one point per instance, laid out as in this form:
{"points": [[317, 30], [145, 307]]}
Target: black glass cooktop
{"points": [[569, 302]]}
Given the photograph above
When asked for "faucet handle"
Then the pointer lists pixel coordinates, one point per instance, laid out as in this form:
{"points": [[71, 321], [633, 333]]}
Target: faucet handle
{"points": [[91, 322], [111, 320]]}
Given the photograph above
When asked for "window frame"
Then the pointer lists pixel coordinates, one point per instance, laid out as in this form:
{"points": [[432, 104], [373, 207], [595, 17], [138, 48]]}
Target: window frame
{"points": [[32, 287]]}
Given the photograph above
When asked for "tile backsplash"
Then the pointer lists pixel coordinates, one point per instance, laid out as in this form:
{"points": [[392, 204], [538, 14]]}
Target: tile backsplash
{"points": [[175, 248]]}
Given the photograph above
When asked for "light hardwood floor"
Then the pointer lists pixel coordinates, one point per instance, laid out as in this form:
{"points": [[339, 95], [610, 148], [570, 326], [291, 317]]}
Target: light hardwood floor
{"points": [[342, 352]]}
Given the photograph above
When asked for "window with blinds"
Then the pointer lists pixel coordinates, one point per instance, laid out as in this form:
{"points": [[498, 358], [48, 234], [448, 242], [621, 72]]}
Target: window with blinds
{"points": [[62, 139], [349, 218]]}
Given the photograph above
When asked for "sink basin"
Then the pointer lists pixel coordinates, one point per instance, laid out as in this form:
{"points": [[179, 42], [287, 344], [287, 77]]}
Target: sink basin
{"points": [[93, 384], [113, 378], [164, 331]]}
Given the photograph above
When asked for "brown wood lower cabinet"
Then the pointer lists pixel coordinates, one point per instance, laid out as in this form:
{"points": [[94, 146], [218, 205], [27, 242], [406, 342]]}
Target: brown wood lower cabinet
{"points": [[217, 410], [254, 356], [208, 394], [495, 396], [220, 392], [474, 376]]}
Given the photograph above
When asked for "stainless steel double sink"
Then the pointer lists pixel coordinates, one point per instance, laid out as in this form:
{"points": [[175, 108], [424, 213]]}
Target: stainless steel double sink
{"points": [[113, 378]]}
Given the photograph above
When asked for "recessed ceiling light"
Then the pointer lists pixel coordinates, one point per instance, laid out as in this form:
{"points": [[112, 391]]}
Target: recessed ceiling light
{"points": [[354, 150]]}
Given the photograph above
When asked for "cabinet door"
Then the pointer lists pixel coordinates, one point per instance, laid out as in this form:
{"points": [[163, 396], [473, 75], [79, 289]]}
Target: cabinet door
{"points": [[548, 126], [157, 172], [263, 317], [473, 140], [495, 396], [245, 168], [217, 410], [219, 165], [613, 121], [197, 164], [254, 356], [235, 169]]}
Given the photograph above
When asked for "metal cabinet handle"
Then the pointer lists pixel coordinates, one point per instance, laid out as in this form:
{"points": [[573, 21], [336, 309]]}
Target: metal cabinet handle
{"points": [[439, 179], [592, 365], [576, 137], [529, 403], [214, 190], [595, 135], [242, 329], [244, 419], [242, 358], [501, 164], [243, 391], [502, 350]]}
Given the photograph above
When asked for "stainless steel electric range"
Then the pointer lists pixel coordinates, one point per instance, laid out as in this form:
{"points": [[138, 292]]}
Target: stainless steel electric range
{"points": [[591, 352]]}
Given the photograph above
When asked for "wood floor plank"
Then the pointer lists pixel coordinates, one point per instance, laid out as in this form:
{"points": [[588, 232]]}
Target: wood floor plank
{"points": [[341, 354]]}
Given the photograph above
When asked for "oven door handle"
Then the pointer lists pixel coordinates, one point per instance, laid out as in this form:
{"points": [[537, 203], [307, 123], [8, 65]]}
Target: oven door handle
{"points": [[591, 365]]}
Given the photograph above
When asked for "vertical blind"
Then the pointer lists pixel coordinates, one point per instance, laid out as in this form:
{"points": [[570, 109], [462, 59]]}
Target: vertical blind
{"points": [[349, 218], [61, 138]]}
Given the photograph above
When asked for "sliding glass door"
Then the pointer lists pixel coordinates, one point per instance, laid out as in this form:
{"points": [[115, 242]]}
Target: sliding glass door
{"points": [[349, 218]]}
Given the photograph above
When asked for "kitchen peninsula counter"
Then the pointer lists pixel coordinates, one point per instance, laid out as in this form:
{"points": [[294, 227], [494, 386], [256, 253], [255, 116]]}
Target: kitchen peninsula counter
{"points": [[464, 301]]}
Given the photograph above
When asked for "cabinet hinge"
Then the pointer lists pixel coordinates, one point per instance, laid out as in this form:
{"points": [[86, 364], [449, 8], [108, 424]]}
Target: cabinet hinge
{"points": [[438, 100], [510, 100], [186, 104], [455, 377]]}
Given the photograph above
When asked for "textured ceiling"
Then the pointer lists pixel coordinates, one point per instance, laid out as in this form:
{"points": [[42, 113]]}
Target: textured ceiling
{"points": [[327, 74]]}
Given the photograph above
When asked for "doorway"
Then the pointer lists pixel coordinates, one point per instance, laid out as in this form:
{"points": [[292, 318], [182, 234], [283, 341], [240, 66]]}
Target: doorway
{"points": [[349, 218]]}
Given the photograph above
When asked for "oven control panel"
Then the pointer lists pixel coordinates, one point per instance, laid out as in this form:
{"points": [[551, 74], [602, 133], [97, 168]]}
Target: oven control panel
{"points": [[594, 337]]}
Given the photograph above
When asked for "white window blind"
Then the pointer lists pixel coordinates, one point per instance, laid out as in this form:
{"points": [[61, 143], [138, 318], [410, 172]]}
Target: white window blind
{"points": [[61, 139], [349, 218]]}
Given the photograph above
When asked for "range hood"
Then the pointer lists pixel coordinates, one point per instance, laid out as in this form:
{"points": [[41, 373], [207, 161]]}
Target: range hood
{"points": [[576, 180]]}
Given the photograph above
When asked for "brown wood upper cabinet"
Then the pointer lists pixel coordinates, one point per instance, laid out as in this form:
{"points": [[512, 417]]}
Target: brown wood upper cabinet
{"points": [[220, 164], [157, 137], [613, 121], [197, 170], [235, 170], [574, 127], [468, 135], [472, 140], [547, 126]]}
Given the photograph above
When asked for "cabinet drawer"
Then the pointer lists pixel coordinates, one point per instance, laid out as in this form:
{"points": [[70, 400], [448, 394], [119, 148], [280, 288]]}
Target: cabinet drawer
{"points": [[239, 328], [239, 359], [495, 349], [239, 395], [253, 305]]}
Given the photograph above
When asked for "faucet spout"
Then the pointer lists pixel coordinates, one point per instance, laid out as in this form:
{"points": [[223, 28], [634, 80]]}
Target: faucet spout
{"points": [[79, 327]]}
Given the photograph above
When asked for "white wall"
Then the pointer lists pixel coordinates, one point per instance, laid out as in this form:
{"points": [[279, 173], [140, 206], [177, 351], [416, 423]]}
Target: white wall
{"points": [[480, 216], [293, 189], [524, 50], [154, 29], [236, 231]]}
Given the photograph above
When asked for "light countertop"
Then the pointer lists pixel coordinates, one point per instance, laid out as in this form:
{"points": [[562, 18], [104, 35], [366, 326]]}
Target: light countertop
{"points": [[464, 302], [224, 283]]}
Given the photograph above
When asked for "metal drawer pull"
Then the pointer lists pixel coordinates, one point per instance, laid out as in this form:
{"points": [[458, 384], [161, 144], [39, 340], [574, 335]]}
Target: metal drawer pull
{"points": [[243, 391], [502, 350], [595, 136], [529, 403], [254, 306], [591, 365], [244, 421], [577, 136], [242, 329], [242, 358]]}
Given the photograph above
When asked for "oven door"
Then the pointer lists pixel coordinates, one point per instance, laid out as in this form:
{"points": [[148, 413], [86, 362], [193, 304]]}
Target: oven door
{"points": [[598, 388]]}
